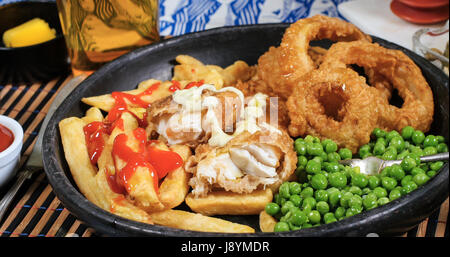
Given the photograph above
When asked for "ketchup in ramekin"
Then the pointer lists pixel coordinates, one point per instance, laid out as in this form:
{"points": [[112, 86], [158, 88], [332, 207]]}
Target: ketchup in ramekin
{"points": [[6, 138]]}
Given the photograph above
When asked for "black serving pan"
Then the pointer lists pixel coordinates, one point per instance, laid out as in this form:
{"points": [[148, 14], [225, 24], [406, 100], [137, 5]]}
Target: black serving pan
{"points": [[222, 47]]}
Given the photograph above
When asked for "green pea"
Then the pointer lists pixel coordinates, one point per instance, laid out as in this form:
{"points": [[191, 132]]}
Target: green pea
{"points": [[360, 180], [314, 217], [309, 201], [408, 163], [345, 153], [383, 200], [319, 181], [302, 161], [334, 198], [281, 227], [294, 188], [416, 151], [314, 149], [396, 171], [331, 147], [416, 170], [370, 201], [309, 139], [298, 218], [332, 190], [300, 147], [284, 190], [394, 194], [355, 190], [337, 179], [329, 218], [398, 143], [436, 166], [403, 154], [378, 133], [391, 134], [307, 192], [388, 183], [353, 211], [345, 199], [339, 213], [366, 155], [334, 157], [332, 167], [379, 149], [389, 155], [442, 148], [355, 201], [407, 132], [296, 200], [374, 181], [313, 166], [415, 157], [272, 208], [321, 195], [363, 150], [410, 186], [385, 172], [322, 207], [366, 190], [420, 179], [440, 139], [306, 225], [431, 173], [406, 179], [287, 206], [418, 137], [381, 141], [430, 140], [380, 192]]}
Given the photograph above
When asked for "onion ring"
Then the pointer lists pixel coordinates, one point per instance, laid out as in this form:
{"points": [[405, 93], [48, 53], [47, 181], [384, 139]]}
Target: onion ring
{"points": [[281, 67], [334, 104], [393, 70]]}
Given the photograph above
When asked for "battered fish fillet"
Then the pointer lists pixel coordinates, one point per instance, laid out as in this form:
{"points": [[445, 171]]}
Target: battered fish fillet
{"points": [[392, 69], [335, 104], [282, 66], [246, 163]]}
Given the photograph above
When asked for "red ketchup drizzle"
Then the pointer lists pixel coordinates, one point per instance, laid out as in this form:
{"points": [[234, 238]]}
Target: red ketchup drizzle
{"points": [[6, 138], [93, 133], [175, 86], [120, 104], [163, 161], [194, 84]]}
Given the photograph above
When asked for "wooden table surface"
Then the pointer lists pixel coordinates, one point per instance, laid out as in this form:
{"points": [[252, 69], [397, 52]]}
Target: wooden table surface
{"points": [[37, 212]]}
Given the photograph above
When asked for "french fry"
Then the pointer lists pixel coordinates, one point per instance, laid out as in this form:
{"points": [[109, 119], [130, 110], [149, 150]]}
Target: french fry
{"points": [[140, 185], [175, 187], [91, 183], [197, 222], [235, 72], [230, 203], [191, 69], [106, 102], [92, 114], [77, 157], [266, 222]]}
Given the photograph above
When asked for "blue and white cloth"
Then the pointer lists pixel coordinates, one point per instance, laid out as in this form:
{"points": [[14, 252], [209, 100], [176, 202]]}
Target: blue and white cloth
{"points": [[179, 17]]}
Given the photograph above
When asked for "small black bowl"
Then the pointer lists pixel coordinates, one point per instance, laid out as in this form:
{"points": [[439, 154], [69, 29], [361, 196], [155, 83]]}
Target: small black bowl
{"points": [[223, 46], [37, 63]]}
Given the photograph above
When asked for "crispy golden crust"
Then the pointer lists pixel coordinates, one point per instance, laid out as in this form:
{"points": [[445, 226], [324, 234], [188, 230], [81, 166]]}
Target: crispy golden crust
{"points": [[334, 104], [392, 69], [282, 66]]}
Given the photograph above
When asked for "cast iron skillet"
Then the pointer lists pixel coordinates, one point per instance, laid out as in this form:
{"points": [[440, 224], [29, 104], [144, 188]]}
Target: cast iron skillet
{"points": [[222, 47]]}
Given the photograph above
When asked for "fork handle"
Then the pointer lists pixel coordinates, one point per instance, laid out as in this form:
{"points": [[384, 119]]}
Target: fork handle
{"points": [[435, 157], [4, 203]]}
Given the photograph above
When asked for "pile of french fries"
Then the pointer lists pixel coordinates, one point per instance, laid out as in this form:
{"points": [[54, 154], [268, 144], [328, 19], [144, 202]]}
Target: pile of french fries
{"points": [[141, 202]]}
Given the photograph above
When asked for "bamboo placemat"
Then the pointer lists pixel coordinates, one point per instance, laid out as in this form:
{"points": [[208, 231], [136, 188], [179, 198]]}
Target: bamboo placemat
{"points": [[37, 212]]}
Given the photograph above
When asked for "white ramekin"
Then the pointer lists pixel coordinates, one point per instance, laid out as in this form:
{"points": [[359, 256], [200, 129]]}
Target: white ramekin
{"points": [[9, 158]]}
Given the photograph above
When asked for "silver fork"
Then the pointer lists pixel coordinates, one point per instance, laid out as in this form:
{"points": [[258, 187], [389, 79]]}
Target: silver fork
{"points": [[374, 165], [34, 162]]}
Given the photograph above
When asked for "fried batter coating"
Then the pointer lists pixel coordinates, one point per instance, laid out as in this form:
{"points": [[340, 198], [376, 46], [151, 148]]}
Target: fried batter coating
{"points": [[392, 69], [282, 66], [335, 104]]}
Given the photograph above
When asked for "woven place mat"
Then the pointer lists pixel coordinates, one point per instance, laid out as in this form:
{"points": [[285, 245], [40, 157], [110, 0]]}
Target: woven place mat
{"points": [[37, 212]]}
